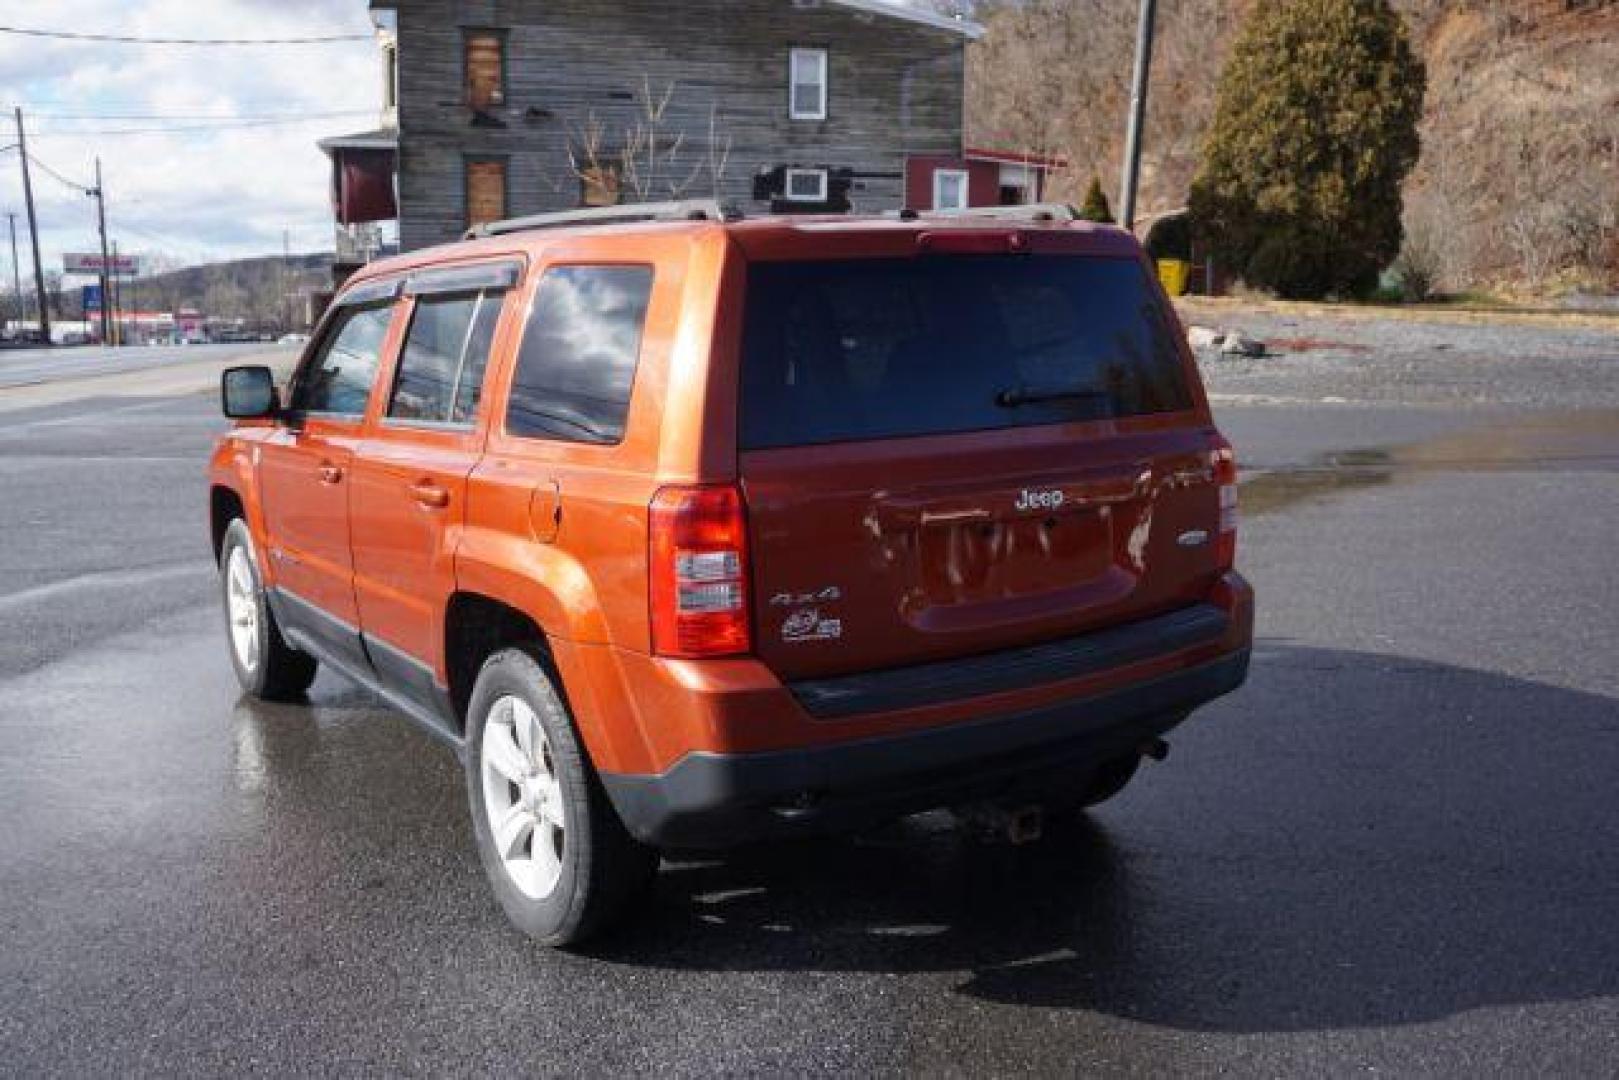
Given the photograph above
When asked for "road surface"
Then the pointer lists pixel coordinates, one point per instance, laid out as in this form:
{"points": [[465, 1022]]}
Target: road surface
{"points": [[1395, 850]]}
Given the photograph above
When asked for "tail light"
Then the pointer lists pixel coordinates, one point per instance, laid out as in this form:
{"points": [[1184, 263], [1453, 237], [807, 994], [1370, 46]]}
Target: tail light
{"points": [[1224, 460], [698, 572]]}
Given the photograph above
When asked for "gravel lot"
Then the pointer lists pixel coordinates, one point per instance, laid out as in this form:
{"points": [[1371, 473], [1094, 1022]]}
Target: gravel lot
{"points": [[1357, 358]]}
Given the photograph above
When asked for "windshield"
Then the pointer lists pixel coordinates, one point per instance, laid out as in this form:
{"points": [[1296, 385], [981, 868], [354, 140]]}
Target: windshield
{"points": [[884, 348]]}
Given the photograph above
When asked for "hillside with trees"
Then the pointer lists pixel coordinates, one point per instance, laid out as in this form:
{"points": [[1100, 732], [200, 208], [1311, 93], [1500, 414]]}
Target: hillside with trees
{"points": [[1517, 183]]}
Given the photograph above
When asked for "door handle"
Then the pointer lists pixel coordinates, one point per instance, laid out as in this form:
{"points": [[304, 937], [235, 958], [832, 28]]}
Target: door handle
{"points": [[430, 495], [329, 473]]}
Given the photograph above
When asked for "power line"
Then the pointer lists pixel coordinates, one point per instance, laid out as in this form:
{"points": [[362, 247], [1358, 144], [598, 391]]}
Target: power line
{"points": [[220, 117], [83, 189], [183, 129], [129, 39]]}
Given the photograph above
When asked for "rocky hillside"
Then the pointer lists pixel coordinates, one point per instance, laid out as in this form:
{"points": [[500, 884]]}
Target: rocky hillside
{"points": [[1519, 178]]}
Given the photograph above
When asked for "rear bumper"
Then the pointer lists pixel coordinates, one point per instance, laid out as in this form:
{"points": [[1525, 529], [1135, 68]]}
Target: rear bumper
{"points": [[716, 800]]}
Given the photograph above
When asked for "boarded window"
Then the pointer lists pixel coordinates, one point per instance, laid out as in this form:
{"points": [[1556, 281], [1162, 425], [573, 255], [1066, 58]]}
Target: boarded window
{"points": [[486, 190], [599, 185], [486, 69]]}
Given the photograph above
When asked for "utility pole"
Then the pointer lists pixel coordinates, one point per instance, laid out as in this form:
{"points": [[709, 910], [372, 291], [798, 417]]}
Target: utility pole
{"points": [[286, 284], [1138, 110], [33, 233], [117, 299], [16, 276], [106, 266]]}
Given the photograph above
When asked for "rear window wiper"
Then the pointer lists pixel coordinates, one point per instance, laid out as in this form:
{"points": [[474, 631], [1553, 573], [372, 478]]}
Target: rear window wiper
{"points": [[1033, 395]]}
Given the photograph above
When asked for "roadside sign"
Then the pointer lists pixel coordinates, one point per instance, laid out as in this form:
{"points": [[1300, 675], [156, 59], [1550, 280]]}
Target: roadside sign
{"points": [[92, 263], [92, 297]]}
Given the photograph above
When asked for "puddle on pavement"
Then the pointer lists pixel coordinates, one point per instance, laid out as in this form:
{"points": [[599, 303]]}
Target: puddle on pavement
{"points": [[1583, 440]]}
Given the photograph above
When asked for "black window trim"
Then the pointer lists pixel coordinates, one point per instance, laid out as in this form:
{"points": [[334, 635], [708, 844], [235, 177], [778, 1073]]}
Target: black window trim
{"points": [[517, 353], [471, 277], [370, 292]]}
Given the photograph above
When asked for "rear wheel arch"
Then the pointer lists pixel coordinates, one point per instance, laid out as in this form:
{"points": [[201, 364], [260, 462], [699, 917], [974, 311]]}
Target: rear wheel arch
{"points": [[476, 627]]}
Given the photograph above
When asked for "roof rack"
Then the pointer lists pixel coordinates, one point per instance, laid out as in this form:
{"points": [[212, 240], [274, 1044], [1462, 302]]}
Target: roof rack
{"points": [[1030, 212], [689, 210]]}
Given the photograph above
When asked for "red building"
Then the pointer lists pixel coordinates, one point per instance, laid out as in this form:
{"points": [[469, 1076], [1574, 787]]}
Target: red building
{"points": [[978, 178]]}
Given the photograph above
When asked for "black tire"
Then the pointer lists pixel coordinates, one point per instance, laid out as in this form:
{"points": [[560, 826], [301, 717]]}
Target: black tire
{"points": [[272, 670], [600, 869]]}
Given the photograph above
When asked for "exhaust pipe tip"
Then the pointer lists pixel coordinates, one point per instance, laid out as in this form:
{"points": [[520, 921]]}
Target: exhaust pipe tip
{"points": [[1025, 826]]}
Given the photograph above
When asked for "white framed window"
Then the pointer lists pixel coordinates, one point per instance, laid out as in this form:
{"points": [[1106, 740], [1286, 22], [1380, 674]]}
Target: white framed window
{"points": [[806, 80], [950, 189], [806, 185]]}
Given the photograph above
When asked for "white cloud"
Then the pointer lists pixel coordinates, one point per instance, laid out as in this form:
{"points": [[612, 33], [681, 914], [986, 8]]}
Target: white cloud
{"points": [[192, 190]]}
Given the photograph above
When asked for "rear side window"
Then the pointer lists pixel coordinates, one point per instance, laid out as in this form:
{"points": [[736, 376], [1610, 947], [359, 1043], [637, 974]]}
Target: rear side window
{"points": [[885, 348], [339, 379], [579, 354], [441, 370]]}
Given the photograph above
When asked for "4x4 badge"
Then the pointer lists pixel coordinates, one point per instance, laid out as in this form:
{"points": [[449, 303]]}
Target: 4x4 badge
{"points": [[819, 596]]}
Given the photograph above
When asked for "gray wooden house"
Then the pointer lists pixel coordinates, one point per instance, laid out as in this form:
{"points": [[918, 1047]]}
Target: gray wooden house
{"points": [[501, 108]]}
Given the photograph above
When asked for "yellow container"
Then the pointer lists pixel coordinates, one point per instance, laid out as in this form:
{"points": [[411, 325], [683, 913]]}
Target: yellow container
{"points": [[1172, 273]]}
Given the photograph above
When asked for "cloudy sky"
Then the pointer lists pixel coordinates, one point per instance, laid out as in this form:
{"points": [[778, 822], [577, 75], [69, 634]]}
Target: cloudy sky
{"points": [[207, 152]]}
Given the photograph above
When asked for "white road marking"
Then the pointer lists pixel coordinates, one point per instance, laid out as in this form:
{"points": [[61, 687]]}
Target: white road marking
{"points": [[97, 415], [102, 579]]}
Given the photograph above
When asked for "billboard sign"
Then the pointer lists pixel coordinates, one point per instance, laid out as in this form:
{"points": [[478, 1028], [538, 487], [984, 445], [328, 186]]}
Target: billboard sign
{"points": [[92, 263]]}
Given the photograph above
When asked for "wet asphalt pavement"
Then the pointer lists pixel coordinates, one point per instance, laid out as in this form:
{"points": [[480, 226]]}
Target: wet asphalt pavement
{"points": [[1397, 849]]}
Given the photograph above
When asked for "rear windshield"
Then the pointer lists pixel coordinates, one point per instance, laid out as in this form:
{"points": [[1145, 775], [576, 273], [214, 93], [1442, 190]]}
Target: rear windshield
{"points": [[884, 348]]}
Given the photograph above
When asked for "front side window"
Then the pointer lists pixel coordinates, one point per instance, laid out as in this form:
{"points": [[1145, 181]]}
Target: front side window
{"points": [[441, 369], [338, 380], [579, 354], [807, 77], [950, 189], [486, 69]]}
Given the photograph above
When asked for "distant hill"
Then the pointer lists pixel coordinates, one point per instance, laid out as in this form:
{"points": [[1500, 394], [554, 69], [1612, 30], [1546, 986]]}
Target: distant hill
{"points": [[254, 289]]}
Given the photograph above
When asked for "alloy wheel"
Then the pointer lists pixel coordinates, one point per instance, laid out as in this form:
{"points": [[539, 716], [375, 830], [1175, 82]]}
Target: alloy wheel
{"points": [[522, 796]]}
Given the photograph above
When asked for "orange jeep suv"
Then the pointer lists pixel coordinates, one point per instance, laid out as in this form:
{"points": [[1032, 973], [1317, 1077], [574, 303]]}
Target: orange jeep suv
{"points": [[687, 531]]}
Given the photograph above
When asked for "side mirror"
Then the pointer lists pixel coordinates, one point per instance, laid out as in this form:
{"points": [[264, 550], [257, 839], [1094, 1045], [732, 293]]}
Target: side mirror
{"points": [[248, 393]]}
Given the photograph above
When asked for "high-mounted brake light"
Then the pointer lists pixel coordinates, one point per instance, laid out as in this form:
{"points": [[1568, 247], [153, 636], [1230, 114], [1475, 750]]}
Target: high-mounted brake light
{"points": [[697, 554], [1224, 460]]}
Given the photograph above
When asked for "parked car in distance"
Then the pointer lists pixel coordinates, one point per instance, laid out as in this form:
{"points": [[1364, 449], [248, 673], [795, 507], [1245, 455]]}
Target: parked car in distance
{"points": [[687, 531], [293, 339]]}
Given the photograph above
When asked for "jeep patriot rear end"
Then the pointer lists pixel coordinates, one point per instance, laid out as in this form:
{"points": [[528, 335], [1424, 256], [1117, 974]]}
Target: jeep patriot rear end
{"points": [[688, 531]]}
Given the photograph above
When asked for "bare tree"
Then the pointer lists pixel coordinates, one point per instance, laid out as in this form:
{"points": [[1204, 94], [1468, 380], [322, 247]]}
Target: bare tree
{"points": [[649, 161]]}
